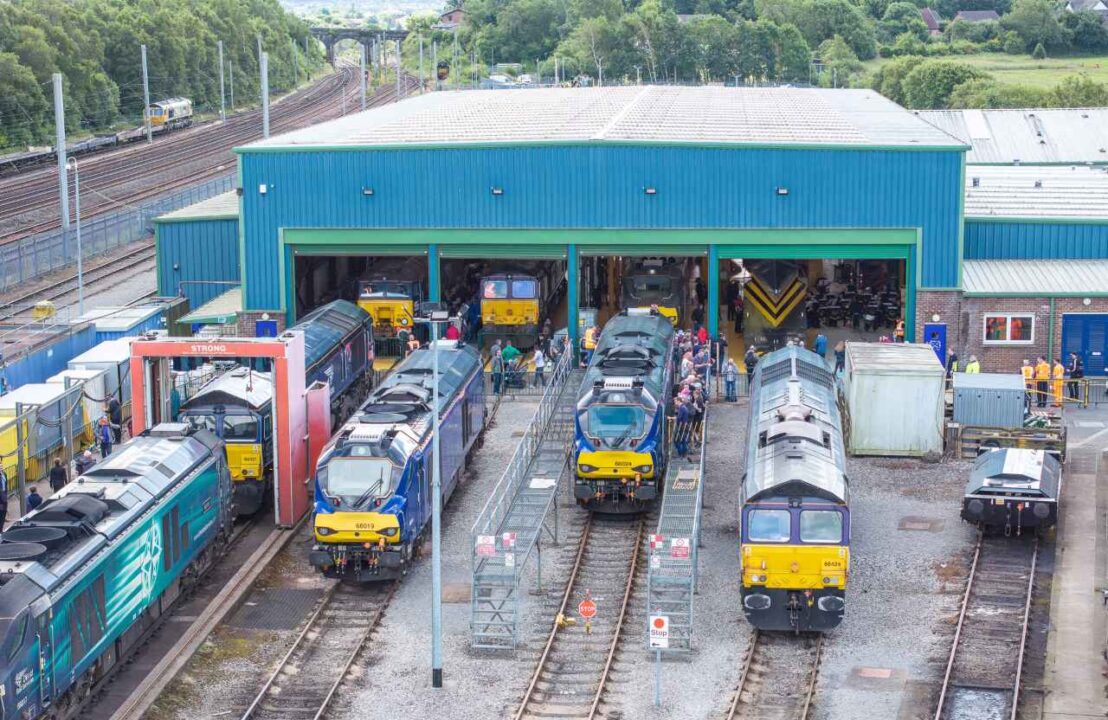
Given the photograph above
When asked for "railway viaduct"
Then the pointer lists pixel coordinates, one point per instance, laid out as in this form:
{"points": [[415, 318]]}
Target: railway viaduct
{"points": [[331, 36]]}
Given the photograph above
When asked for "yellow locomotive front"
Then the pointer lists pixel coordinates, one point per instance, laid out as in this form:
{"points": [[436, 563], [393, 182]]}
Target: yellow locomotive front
{"points": [[391, 304], [795, 522], [510, 300]]}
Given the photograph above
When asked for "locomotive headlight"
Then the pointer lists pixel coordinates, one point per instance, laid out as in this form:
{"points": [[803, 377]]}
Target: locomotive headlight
{"points": [[389, 532], [403, 321], [586, 468], [641, 468], [831, 580], [757, 578], [324, 530]]}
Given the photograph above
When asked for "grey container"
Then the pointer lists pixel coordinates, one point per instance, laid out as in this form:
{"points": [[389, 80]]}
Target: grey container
{"points": [[989, 400]]}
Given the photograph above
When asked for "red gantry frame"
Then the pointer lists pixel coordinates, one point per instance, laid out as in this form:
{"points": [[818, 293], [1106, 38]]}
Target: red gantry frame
{"points": [[301, 416]]}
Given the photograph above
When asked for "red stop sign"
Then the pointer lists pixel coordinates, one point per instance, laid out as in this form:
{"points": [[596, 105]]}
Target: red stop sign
{"points": [[587, 609], [659, 623]]}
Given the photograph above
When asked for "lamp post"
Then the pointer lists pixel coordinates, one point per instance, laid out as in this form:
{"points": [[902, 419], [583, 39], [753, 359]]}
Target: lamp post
{"points": [[72, 165], [437, 316]]}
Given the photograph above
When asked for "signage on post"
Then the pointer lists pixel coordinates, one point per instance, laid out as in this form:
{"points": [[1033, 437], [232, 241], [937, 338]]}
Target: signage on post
{"points": [[587, 609], [656, 541], [508, 539], [486, 545], [659, 632]]}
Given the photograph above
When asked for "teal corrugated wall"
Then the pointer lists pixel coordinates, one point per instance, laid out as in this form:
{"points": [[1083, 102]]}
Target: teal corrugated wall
{"points": [[600, 187], [206, 250], [995, 240]]}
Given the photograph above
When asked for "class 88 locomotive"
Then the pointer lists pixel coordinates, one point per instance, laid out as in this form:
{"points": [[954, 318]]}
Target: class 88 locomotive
{"points": [[795, 523]]}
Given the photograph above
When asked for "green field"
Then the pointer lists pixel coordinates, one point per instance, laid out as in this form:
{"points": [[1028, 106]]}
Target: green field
{"points": [[1025, 70]]}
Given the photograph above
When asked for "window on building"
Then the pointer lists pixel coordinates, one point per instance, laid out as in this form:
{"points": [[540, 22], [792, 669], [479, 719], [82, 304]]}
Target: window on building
{"points": [[1009, 329]]}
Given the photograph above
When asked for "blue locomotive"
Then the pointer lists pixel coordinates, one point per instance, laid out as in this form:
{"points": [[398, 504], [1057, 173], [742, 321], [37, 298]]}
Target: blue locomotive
{"points": [[373, 480], [87, 574], [238, 407], [620, 425]]}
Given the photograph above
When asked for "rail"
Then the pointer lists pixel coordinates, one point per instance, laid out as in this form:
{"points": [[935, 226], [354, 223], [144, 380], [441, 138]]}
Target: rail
{"points": [[948, 684], [36, 255], [788, 658]]}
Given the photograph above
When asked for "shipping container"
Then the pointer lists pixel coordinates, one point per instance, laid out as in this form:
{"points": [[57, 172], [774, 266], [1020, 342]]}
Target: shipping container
{"points": [[114, 356], [989, 400], [33, 353], [94, 393], [112, 323], [894, 399]]}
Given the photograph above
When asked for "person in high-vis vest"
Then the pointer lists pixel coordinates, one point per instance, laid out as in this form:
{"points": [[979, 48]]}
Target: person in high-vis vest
{"points": [[1059, 376], [1042, 381], [1028, 373], [973, 367], [588, 344]]}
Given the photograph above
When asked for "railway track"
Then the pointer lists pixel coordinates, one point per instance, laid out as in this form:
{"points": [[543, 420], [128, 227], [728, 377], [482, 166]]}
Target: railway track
{"points": [[67, 285], [778, 678], [305, 682], [199, 154], [985, 669], [571, 676]]}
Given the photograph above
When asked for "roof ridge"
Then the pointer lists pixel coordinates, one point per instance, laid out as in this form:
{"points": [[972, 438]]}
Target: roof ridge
{"points": [[618, 117]]}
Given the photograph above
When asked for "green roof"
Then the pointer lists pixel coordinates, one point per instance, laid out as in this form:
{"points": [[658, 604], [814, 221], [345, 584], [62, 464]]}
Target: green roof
{"points": [[224, 206], [634, 115], [221, 310]]}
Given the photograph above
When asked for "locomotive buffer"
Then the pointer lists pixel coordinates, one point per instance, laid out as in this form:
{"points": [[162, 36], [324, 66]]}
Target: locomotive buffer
{"points": [[512, 522]]}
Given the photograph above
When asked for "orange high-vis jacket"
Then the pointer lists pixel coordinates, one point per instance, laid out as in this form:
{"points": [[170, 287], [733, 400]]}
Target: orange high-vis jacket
{"points": [[1059, 372], [1028, 374], [1042, 372]]}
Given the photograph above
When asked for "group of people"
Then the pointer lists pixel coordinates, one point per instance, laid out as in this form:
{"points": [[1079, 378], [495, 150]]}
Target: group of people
{"points": [[693, 357], [509, 365], [1045, 380]]}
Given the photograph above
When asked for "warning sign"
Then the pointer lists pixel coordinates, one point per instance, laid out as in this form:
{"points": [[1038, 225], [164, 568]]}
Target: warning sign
{"points": [[509, 539], [659, 631], [656, 541], [486, 545], [587, 609], [679, 548]]}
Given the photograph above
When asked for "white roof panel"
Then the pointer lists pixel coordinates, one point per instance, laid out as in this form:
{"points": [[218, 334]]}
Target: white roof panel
{"points": [[1035, 277], [1051, 136], [224, 206], [1037, 192], [636, 114]]}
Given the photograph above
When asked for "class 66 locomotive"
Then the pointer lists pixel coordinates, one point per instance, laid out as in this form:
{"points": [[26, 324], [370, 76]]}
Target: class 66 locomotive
{"points": [[795, 523], [1013, 490], [373, 480], [392, 296], [656, 283], [620, 425]]}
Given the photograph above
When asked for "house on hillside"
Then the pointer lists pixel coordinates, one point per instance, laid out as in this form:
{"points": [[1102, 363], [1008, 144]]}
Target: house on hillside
{"points": [[450, 20], [1100, 7], [932, 20], [976, 16]]}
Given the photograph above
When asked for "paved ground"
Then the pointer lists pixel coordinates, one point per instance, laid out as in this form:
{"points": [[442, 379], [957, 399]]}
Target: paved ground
{"points": [[1075, 665]]}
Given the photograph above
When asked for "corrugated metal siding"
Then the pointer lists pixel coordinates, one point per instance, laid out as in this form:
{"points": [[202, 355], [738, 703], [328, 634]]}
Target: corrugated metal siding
{"points": [[1035, 241], [154, 322], [201, 250], [45, 362], [600, 187]]}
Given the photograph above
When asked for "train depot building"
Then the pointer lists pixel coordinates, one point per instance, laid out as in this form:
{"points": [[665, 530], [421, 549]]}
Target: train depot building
{"points": [[774, 186]]}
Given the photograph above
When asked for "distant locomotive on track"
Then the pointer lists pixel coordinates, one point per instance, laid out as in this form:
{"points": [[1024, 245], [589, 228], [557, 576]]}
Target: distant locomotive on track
{"points": [[373, 480], [620, 451], [1013, 490], [84, 576], [795, 524], [773, 303], [658, 283]]}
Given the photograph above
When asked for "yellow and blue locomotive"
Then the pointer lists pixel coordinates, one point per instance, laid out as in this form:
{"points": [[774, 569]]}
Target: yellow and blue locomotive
{"points": [[795, 523], [373, 479], [238, 407], [620, 448]]}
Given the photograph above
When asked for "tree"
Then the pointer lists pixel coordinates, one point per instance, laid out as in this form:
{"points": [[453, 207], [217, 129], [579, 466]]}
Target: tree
{"points": [[839, 62], [900, 18], [1035, 22], [23, 108], [1086, 29], [929, 84], [889, 78], [1080, 91], [984, 93], [1039, 53], [907, 44], [820, 20]]}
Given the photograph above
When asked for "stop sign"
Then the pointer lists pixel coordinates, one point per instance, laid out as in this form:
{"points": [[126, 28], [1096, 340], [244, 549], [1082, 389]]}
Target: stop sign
{"points": [[587, 609]]}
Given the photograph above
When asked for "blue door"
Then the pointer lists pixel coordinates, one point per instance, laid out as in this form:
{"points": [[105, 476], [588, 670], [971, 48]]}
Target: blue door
{"points": [[1087, 335], [934, 334]]}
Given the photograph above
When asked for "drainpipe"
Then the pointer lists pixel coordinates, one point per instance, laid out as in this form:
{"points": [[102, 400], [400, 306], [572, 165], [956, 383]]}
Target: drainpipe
{"points": [[1050, 338]]}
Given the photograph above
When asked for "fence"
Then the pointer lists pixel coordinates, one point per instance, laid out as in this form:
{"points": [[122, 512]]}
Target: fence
{"points": [[36, 255]]}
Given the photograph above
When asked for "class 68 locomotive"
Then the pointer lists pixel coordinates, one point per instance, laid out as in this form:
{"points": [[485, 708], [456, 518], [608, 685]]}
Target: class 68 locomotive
{"points": [[373, 480], [1013, 490], [238, 406], [795, 524], [620, 425]]}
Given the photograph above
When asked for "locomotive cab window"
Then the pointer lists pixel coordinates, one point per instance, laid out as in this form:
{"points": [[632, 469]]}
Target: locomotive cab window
{"points": [[769, 526], [494, 289], [616, 421], [821, 526], [240, 427], [201, 422], [524, 289], [1009, 329], [14, 641], [651, 284], [267, 426]]}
